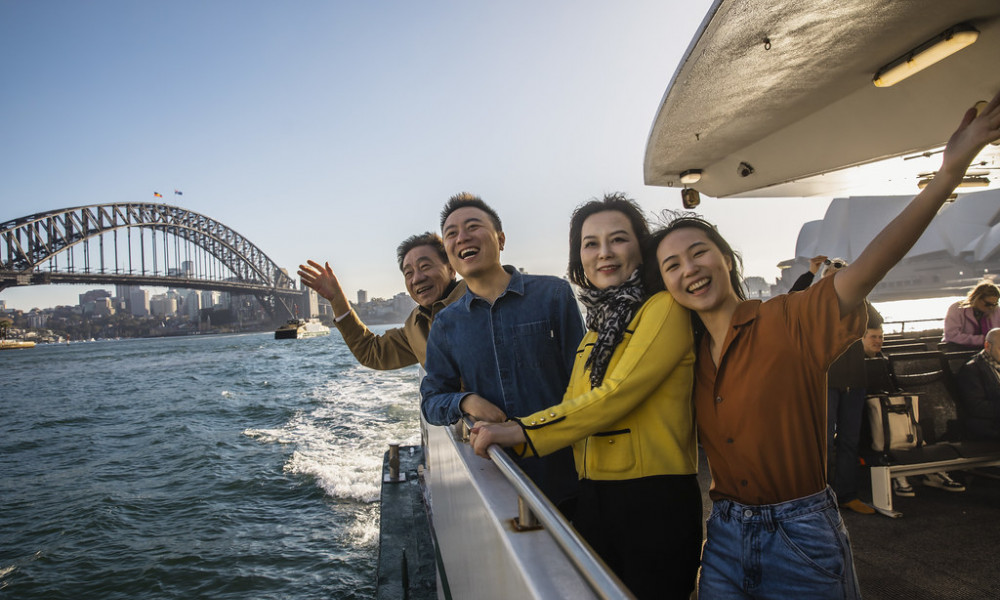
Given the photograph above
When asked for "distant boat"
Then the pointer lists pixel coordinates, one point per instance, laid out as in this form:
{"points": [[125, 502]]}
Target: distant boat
{"points": [[6, 344], [15, 344], [301, 328]]}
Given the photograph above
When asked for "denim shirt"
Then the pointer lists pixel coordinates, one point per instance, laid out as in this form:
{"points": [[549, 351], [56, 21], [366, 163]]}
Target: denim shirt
{"points": [[517, 353]]}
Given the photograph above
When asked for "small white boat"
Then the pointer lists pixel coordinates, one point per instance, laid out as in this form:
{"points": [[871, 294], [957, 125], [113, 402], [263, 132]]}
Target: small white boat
{"points": [[300, 329]]}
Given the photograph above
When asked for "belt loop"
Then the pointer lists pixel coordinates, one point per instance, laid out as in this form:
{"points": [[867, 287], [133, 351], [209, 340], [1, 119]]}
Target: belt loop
{"points": [[768, 516], [724, 507]]}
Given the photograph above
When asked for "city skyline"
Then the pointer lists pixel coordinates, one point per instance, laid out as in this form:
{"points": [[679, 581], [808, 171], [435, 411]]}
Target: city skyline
{"points": [[333, 131]]}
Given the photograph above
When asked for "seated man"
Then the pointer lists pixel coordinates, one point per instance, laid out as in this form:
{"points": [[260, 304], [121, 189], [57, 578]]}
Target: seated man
{"points": [[979, 387], [430, 281], [506, 348], [880, 382]]}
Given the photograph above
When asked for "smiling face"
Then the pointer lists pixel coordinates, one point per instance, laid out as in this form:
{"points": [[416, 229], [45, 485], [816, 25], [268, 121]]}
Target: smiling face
{"points": [[695, 271], [472, 243], [609, 249], [427, 276], [872, 341]]}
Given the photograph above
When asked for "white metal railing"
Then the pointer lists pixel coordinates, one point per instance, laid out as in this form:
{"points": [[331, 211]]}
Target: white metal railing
{"points": [[484, 551], [593, 569]]}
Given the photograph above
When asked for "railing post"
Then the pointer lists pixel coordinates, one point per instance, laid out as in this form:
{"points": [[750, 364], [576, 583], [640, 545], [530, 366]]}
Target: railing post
{"points": [[394, 476], [526, 520]]}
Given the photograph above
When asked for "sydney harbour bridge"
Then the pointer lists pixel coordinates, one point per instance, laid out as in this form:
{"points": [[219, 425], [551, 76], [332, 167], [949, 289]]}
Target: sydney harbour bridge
{"points": [[141, 244]]}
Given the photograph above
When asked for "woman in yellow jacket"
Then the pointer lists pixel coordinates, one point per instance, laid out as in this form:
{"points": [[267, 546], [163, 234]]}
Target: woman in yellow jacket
{"points": [[627, 412]]}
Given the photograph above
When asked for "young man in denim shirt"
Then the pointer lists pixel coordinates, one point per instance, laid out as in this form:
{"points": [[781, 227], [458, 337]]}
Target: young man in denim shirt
{"points": [[506, 348]]}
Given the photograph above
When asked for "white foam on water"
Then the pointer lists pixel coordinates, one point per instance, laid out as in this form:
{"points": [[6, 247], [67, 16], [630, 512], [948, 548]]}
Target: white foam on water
{"points": [[341, 441], [270, 436], [365, 531]]}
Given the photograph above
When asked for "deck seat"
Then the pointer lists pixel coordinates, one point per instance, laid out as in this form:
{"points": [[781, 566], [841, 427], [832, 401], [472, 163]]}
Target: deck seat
{"points": [[976, 448]]}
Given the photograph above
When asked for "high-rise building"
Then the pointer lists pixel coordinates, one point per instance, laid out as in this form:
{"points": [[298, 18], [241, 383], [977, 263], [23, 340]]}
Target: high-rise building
{"points": [[192, 305], [209, 298], [37, 319], [310, 303], [93, 295], [162, 305], [123, 291], [138, 302], [362, 296], [99, 307]]}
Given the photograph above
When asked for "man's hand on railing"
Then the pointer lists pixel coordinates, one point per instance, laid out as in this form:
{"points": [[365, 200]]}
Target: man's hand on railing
{"points": [[485, 434], [481, 409]]}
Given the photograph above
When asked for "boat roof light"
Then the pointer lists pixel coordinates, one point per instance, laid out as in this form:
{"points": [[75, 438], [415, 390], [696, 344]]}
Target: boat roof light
{"points": [[691, 176], [933, 50]]}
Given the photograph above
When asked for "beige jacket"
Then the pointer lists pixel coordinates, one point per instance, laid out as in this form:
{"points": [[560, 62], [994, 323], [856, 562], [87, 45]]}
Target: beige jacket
{"points": [[398, 347]]}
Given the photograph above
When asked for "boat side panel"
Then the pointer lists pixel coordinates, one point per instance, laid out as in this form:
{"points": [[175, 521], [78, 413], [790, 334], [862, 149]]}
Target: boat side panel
{"points": [[473, 506]]}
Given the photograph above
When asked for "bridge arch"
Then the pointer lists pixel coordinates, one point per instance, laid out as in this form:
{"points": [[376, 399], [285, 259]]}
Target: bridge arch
{"points": [[205, 252]]}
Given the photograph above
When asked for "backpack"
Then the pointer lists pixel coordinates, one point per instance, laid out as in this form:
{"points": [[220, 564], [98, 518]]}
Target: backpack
{"points": [[894, 422]]}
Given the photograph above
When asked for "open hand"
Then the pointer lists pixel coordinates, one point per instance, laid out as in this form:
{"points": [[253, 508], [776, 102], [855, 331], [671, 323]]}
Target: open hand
{"points": [[974, 132], [321, 278]]}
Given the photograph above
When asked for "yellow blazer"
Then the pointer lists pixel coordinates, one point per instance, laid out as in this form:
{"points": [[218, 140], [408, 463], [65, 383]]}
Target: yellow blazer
{"points": [[640, 420]]}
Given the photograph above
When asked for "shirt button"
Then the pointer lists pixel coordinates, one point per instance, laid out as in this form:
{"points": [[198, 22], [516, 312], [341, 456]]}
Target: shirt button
{"points": [[729, 440], [551, 414], [611, 441], [542, 419], [718, 399], [744, 483], [748, 513]]}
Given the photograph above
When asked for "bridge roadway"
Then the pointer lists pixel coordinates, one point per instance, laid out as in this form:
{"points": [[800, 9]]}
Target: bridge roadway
{"points": [[16, 278]]}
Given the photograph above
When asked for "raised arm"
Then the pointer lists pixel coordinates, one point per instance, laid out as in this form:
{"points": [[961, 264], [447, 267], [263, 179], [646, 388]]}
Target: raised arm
{"points": [[394, 349], [321, 279], [854, 282]]}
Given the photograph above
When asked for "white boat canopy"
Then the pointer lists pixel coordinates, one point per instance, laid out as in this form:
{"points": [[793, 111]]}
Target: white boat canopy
{"points": [[773, 96]]}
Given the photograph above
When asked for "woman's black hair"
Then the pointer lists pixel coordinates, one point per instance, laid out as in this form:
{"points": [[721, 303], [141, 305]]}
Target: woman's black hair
{"points": [[618, 202]]}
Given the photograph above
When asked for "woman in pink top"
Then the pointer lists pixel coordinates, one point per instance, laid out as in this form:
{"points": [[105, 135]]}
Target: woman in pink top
{"points": [[969, 320]]}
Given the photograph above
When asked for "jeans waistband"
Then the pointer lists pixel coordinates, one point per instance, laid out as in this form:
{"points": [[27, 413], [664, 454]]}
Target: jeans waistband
{"points": [[768, 514]]}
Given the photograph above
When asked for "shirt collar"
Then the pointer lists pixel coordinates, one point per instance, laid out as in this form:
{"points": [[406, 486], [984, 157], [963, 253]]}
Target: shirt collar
{"points": [[428, 313], [745, 313], [514, 286]]}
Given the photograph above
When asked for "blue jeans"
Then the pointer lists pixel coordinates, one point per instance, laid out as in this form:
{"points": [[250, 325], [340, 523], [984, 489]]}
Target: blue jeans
{"points": [[795, 549]]}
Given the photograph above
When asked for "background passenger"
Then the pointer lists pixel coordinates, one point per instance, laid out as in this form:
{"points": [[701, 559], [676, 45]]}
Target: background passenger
{"points": [[968, 320], [627, 412], [430, 281], [504, 348], [979, 384], [815, 263], [775, 530]]}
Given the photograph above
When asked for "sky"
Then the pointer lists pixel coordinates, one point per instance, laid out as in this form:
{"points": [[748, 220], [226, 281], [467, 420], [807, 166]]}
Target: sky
{"points": [[334, 130]]}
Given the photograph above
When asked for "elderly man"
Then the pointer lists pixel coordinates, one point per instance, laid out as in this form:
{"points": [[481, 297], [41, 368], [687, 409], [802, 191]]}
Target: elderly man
{"points": [[430, 281], [979, 384]]}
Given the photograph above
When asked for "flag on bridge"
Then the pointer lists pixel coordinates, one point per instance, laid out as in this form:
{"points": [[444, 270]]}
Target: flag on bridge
{"points": [[158, 194]]}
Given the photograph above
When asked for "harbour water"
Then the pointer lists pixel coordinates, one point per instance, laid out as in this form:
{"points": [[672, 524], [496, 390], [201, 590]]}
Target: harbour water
{"points": [[205, 466]]}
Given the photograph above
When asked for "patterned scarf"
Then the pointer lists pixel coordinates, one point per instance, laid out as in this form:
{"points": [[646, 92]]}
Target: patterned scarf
{"points": [[609, 311], [992, 363]]}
